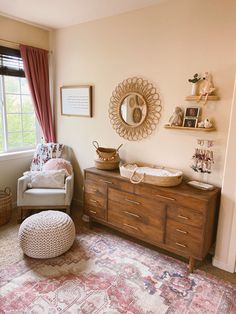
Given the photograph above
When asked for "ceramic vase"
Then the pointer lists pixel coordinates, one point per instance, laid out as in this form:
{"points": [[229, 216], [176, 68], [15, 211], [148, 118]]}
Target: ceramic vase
{"points": [[194, 89]]}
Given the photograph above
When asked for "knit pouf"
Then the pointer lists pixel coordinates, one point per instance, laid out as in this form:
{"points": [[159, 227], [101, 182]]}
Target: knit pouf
{"points": [[46, 234]]}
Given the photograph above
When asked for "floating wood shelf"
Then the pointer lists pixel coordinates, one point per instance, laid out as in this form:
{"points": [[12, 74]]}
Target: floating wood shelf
{"points": [[195, 98], [189, 129]]}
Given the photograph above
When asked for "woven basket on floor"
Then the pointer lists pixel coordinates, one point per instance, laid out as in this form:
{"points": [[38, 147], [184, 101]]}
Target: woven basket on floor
{"points": [[5, 206]]}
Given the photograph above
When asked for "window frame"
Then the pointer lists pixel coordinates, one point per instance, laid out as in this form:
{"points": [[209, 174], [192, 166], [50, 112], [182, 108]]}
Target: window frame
{"points": [[19, 74]]}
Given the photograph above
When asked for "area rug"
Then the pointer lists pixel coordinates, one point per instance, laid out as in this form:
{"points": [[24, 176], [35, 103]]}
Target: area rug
{"points": [[104, 273]]}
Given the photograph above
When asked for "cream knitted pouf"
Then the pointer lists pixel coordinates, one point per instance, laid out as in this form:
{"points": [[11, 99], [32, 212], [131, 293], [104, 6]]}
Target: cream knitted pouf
{"points": [[47, 234]]}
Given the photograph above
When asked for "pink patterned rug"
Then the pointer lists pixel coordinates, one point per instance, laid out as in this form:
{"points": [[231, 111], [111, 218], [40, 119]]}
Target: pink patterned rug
{"points": [[103, 273]]}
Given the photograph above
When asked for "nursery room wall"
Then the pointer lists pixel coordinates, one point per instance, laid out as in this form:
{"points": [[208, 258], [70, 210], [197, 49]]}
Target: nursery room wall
{"points": [[165, 44], [12, 166]]}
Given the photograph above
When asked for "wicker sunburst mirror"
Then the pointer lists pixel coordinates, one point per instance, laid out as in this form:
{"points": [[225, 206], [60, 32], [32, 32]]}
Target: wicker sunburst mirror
{"points": [[135, 108]]}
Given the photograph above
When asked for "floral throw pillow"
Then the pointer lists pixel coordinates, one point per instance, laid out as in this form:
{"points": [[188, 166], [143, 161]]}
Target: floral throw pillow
{"points": [[43, 153]]}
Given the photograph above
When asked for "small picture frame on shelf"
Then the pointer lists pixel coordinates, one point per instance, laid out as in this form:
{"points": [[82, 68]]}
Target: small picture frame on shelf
{"points": [[190, 122], [192, 112]]}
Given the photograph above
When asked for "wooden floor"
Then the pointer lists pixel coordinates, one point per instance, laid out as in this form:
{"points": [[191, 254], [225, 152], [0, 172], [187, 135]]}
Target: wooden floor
{"points": [[206, 265]]}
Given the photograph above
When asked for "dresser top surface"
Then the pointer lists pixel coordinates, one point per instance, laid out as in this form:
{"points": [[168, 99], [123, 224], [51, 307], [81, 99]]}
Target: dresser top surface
{"points": [[183, 188]]}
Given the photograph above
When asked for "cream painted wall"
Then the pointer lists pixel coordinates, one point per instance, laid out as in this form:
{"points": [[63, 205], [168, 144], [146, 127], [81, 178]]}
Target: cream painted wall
{"points": [[15, 31], [165, 44], [11, 30], [11, 169]]}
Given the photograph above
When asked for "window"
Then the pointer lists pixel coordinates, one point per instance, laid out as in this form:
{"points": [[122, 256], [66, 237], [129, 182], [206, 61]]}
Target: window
{"points": [[18, 126]]}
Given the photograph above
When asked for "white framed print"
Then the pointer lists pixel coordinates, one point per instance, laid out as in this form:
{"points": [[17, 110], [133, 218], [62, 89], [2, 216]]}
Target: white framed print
{"points": [[76, 100]]}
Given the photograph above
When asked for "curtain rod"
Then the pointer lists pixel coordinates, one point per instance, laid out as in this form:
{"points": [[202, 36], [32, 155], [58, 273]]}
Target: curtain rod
{"points": [[16, 43]]}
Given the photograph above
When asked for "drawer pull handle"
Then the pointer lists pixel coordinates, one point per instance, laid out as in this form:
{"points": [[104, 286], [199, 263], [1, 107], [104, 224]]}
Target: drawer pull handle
{"points": [[131, 201], [132, 227], [93, 201], [105, 181], [181, 231], [166, 198], [131, 214], [183, 217], [179, 244], [93, 212]]}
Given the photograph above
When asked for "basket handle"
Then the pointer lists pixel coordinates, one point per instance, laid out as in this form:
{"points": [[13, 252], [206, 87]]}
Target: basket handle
{"points": [[136, 181], [7, 191], [95, 144], [119, 147]]}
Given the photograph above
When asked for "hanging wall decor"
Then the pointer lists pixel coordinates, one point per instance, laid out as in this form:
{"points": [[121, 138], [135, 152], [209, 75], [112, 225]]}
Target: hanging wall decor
{"points": [[203, 158], [76, 100], [135, 108]]}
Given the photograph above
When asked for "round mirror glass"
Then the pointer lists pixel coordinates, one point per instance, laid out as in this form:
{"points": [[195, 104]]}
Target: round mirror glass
{"points": [[133, 109]]}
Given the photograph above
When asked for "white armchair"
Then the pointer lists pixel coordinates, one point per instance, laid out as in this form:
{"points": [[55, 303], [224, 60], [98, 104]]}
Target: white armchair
{"points": [[43, 198]]}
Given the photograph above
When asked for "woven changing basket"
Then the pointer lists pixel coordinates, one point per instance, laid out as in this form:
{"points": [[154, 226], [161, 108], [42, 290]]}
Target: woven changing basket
{"points": [[5, 206], [160, 176]]}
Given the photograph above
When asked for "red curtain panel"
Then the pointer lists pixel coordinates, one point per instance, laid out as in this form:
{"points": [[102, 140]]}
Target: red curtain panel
{"points": [[35, 63]]}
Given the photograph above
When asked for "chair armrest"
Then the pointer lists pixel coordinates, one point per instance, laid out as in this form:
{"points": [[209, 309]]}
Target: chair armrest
{"points": [[21, 187], [69, 187]]}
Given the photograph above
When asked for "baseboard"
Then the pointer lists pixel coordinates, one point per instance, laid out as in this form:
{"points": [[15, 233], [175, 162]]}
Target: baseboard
{"points": [[225, 266]]}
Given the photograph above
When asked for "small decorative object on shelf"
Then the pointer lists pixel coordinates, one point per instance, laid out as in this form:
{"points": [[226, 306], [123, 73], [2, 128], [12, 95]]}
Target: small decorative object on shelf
{"points": [[194, 82], [203, 88], [206, 87], [177, 117], [190, 123], [191, 117], [207, 124]]}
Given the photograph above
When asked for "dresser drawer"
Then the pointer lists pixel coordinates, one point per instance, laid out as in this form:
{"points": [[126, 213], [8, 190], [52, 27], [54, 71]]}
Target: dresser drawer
{"points": [[184, 238], [135, 216], [172, 196], [95, 205], [109, 181], [186, 216], [134, 225], [93, 187], [181, 232], [149, 210]]}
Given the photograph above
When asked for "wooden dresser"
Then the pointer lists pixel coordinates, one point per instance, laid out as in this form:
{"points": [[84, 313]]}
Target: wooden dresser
{"points": [[179, 219]]}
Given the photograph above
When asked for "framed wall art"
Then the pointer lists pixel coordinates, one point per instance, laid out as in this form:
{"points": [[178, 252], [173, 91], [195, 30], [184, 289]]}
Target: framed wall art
{"points": [[192, 112], [76, 100], [190, 122]]}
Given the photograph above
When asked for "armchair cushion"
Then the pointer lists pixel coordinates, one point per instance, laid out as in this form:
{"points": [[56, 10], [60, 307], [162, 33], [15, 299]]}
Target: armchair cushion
{"points": [[44, 197], [47, 179]]}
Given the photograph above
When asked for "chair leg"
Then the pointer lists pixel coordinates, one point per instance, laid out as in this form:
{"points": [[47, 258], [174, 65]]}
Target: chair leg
{"points": [[68, 210], [19, 215]]}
